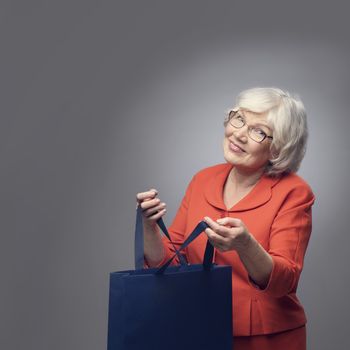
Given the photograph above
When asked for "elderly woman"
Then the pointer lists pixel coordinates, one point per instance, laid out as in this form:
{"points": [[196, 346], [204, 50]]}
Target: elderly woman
{"points": [[259, 216]]}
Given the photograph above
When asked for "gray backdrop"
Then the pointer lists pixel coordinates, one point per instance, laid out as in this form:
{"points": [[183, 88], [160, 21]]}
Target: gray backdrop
{"points": [[102, 99]]}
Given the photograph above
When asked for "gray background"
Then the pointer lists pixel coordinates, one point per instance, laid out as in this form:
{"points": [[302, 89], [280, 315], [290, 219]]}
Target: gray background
{"points": [[103, 99]]}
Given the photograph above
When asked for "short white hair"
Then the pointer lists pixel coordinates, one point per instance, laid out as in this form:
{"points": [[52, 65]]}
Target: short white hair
{"points": [[287, 117]]}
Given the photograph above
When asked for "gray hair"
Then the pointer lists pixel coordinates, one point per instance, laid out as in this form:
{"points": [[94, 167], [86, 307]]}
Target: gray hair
{"points": [[287, 117]]}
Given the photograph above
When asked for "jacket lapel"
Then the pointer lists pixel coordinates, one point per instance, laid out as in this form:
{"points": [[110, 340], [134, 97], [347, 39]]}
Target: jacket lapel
{"points": [[258, 196]]}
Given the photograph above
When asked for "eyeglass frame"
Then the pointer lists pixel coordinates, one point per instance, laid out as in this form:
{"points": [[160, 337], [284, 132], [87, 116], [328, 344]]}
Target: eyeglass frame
{"points": [[234, 112]]}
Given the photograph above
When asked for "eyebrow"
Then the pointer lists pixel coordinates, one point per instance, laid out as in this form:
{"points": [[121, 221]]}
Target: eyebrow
{"points": [[265, 125], [254, 124]]}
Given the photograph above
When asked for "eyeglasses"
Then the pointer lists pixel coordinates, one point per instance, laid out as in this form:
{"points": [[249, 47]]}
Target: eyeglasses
{"points": [[254, 132]]}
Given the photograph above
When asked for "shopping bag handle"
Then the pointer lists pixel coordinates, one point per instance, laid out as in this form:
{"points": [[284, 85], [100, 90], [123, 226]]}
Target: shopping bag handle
{"points": [[209, 249], [139, 253]]}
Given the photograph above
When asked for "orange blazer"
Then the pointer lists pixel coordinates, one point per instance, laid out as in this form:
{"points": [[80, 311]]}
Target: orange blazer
{"points": [[278, 213]]}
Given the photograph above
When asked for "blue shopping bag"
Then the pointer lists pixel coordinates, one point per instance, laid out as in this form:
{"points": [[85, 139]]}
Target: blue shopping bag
{"points": [[187, 307]]}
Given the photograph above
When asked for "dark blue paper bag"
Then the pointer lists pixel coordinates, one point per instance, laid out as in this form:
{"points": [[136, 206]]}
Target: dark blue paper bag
{"points": [[184, 307]]}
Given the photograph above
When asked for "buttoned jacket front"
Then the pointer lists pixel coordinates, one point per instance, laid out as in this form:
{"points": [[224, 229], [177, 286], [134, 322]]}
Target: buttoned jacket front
{"points": [[277, 212]]}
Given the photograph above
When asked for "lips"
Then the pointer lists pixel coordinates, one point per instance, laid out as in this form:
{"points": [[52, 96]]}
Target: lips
{"points": [[235, 148]]}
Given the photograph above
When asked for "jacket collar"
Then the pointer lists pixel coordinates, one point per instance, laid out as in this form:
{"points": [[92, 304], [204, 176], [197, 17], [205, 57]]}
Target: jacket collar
{"points": [[259, 195]]}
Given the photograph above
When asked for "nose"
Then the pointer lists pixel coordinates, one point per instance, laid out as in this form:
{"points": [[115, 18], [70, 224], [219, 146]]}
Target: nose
{"points": [[241, 134]]}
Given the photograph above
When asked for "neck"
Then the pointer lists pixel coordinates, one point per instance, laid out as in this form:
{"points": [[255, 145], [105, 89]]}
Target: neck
{"points": [[245, 179]]}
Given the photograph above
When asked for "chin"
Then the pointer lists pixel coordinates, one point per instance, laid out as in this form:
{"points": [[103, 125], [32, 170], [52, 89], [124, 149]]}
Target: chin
{"points": [[232, 158], [242, 166]]}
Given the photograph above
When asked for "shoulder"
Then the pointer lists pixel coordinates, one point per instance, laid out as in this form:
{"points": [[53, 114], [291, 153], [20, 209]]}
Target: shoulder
{"points": [[293, 186], [293, 181]]}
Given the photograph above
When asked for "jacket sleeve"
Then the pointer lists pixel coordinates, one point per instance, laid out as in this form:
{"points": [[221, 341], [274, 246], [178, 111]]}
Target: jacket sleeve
{"points": [[289, 237], [177, 229]]}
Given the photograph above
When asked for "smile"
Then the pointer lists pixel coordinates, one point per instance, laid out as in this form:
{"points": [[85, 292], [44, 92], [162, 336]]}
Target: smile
{"points": [[234, 148]]}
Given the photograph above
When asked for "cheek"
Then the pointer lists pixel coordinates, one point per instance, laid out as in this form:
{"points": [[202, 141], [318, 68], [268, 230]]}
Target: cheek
{"points": [[227, 131], [259, 153], [226, 136], [264, 153], [225, 144]]}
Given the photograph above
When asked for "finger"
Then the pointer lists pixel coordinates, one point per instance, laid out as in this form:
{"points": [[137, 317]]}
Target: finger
{"points": [[143, 196], [212, 224], [221, 248], [214, 238], [157, 216], [232, 222], [152, 193], [219, 229], [217, 243], [153, 210], [150, 203]]}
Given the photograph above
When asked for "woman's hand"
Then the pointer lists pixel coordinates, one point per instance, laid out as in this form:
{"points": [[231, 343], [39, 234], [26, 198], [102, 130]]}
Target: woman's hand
{"points": [[152, 207], [231, 234], [152, 210], [228, 234]]}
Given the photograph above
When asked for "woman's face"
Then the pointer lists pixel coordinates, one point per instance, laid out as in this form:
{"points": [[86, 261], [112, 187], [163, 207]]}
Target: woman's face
{"points": [[241, 150]]}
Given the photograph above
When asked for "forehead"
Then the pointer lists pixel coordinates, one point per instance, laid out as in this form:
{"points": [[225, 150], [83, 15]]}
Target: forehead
{"points": [[255, 118]]}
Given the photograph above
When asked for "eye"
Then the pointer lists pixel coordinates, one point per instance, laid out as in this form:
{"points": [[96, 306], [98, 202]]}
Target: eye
{"points": [[240, 118], [259, 132]]}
